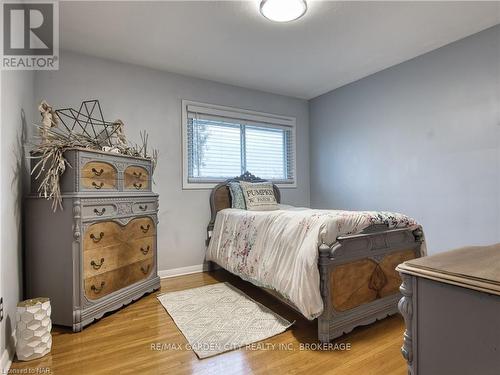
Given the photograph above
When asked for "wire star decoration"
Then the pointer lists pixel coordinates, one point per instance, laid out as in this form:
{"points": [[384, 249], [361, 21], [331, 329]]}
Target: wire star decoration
{"points": [[88, 120]]}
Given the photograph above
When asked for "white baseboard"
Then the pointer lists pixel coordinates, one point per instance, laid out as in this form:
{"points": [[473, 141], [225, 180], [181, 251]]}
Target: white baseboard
{"points": [[8, 354], [182, 271], [5, 362]]}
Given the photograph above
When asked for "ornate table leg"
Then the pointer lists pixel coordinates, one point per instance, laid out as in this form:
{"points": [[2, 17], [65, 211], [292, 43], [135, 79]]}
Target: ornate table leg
{"points": [[405, 306]]}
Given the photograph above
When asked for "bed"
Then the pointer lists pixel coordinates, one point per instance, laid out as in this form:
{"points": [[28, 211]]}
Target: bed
{"points": [[352, 281]]}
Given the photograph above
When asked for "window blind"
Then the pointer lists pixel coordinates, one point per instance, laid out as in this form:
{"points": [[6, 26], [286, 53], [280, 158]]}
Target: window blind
{"points": [[227, 145]]}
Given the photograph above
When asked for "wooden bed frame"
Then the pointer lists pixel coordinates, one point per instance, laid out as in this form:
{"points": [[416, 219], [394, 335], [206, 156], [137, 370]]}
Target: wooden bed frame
{"points": [[358, 280]]}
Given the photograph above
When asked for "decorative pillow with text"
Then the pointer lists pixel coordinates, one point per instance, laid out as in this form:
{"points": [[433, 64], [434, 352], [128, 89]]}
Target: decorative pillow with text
{"points": [[237, 199], [259, 196]]}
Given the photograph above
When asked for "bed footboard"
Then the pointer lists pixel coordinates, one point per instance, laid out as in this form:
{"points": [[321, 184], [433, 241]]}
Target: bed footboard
{"points": [[359, 283]]}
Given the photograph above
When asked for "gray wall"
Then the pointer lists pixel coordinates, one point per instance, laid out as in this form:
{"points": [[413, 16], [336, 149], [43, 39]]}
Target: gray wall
{"points": [[151, 100], [17, 99], [421, 138]]}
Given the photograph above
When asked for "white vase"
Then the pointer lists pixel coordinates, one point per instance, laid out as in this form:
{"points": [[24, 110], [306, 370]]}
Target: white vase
{"points": [[33, 338]]}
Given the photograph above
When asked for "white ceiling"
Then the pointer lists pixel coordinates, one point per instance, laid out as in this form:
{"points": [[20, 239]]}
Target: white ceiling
{"points": [[229, 41]]}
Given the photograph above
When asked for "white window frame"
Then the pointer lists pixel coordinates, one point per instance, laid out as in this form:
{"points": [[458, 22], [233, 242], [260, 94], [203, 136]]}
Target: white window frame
{"points": [[232, 112]]}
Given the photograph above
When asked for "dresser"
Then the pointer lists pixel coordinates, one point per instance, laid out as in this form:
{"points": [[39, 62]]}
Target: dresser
{"points": [[451, 307], [99, 252]]}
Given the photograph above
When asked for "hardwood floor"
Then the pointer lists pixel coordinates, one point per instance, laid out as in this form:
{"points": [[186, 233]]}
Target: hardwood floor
{"points": [[121, 343]]}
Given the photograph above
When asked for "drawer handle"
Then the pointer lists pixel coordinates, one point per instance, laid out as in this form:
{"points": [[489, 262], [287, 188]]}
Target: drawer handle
{"points": [[98, 172], [98, 289], [95, 265], [137, 175], [145, 228], [143, 208], [145, 251], [97, 186], [95, 239], [137, 186], [145, 270], [99, 213]]}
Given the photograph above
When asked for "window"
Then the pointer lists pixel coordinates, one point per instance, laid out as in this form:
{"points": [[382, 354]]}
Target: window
{"points": [[223, 142]]}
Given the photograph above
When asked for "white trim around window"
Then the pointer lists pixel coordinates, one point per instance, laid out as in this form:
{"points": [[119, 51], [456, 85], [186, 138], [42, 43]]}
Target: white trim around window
{"points": [[246, 119]]}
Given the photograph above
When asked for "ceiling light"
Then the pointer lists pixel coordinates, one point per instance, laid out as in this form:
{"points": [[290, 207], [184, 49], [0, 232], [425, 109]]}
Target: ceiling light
{"points": [[283, 10]]}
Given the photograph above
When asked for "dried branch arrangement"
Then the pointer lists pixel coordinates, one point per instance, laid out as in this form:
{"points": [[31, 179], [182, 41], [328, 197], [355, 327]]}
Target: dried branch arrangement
{"points": [[53, 141], [142, 150], [51, 162]]}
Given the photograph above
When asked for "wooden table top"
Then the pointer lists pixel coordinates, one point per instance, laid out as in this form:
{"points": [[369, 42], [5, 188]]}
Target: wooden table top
{"points": [[475, 267]]}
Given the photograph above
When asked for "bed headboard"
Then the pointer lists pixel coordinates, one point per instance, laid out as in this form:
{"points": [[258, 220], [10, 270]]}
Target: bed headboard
{"points": [[220, 197]]}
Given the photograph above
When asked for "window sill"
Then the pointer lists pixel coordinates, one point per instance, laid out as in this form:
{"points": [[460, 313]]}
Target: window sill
{"points": [[211, 185]]}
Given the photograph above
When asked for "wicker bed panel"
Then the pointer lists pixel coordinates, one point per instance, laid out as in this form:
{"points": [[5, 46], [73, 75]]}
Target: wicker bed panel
{"points": [[222, 198]]}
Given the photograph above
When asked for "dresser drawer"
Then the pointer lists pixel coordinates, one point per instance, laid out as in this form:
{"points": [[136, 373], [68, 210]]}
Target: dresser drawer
{"points": [[101, 285], [145, 207], [105, 259], [141, 227], [136, 178], [102, 234], [98, 210], [107, 233], [97, 175]]}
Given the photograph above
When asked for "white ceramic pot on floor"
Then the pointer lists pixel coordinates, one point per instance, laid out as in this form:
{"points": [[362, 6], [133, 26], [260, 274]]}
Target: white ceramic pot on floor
{"points": [[33, 329]]}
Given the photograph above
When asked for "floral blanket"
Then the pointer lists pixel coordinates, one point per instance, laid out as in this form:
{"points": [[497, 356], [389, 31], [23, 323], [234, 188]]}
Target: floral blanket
{"points": [[279, 249]]}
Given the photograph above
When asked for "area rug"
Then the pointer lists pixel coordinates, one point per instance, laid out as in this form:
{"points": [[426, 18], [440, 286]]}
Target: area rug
{"points": [[219, 317]]}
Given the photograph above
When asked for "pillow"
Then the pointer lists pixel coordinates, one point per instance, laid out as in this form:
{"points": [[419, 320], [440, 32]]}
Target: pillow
{"points": [[259, 196], [237, 198]]}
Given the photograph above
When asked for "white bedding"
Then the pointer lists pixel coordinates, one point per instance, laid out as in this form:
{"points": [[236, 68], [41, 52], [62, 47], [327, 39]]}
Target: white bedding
{"points": [[279, 249]]}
